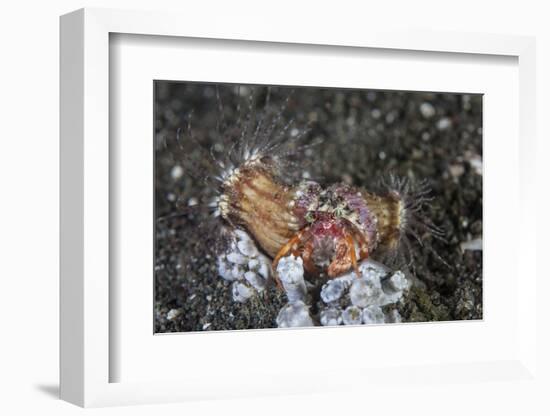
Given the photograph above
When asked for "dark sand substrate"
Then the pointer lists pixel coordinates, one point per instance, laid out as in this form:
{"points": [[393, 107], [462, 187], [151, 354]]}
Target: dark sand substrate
{"points": [[366, 134]]}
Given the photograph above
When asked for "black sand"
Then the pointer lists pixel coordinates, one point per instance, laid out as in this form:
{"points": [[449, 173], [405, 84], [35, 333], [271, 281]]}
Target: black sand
{"points": [[366, 134]]}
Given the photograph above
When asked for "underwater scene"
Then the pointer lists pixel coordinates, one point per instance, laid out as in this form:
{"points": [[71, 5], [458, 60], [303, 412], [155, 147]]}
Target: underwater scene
{"points": [[279, 206]]}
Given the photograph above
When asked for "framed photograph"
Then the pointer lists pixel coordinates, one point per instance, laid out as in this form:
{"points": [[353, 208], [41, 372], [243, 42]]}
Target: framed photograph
{"points": [[282, 213]]}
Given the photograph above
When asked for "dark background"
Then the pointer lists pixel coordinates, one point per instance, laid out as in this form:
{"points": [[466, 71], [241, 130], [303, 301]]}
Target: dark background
{"points": [[366, 134]]}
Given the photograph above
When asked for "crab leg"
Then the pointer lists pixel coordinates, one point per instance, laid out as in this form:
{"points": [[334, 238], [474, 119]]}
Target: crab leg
{"points": [[351, 250], [362, 240], [341, 261], [289, 246]]}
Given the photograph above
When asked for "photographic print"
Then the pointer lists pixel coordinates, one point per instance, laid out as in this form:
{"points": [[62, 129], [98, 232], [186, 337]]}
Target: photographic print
{"points": [[291, 206]]}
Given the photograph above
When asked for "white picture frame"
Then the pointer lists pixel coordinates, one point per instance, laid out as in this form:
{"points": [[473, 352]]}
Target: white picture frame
{"points": [[86, 356]]}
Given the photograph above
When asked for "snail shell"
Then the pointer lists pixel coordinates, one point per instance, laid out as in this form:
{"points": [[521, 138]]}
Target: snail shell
{"points": [[273, 212]]}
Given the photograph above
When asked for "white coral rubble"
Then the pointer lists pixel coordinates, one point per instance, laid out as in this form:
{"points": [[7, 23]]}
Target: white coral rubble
{"points": [[244, 266], [294, 315], [331, 316], [348, 299], [291, 273], [334, 289]]}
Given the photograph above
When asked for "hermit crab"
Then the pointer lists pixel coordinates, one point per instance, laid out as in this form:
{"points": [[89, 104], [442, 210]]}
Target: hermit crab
{"points": [[259, 187]]}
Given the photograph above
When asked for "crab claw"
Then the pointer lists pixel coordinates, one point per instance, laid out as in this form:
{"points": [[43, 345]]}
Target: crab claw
{"points": [[344, 258]]}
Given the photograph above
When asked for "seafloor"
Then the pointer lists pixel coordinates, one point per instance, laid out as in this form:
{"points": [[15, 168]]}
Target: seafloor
{"points": [[366, 134]]}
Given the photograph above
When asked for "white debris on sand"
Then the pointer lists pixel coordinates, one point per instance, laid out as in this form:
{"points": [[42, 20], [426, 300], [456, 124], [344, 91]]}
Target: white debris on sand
{"points": [[352, 315], [173, 314], [331, 317], [456, 170], [244, 266], [294, 315], [247, 248], [427, 110], [443, 123], [473, 245], [349, 299], [477, 164], [334, 289], [373, 315], [176, 172], [290, 271], [241, 292], [255, 280]]}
